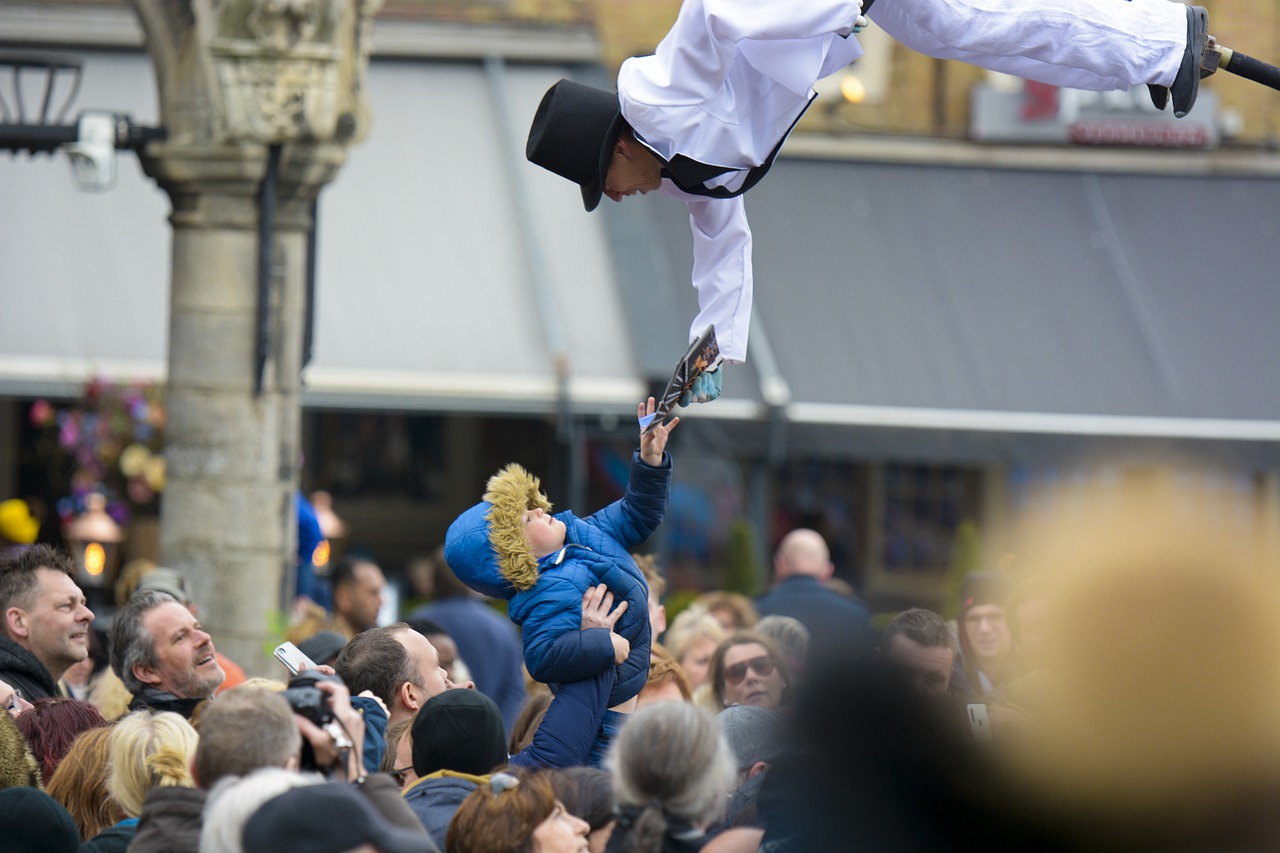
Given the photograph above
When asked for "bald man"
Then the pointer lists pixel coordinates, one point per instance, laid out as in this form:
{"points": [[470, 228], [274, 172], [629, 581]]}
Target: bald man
{"points": [[801, 566]]}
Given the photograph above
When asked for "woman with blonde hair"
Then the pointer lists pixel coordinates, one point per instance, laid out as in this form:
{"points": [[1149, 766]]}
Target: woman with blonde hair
{"points": [[80, 783], [691, 640], [734, 610], [147, 750], [672, 774]]}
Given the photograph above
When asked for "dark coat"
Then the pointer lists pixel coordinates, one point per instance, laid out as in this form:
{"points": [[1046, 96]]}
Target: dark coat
{"points": [[375, 731], [435, 800], [384, 795], [597, 550], [21, 670], [568, 731], [171, 821], [113, 839], [836, 624], [151, 699]]}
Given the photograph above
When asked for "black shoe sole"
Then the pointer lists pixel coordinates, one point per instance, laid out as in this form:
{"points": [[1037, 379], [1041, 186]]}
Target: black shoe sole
{"points": [[1187, 84], [1159, 96]]}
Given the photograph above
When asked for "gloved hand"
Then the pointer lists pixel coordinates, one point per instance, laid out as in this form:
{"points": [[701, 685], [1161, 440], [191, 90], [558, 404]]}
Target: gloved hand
{"points": [[705, 387], [860, 24]]}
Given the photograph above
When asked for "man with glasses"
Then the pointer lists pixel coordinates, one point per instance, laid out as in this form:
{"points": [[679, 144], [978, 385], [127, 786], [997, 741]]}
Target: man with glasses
{"points": [[986, 645]]}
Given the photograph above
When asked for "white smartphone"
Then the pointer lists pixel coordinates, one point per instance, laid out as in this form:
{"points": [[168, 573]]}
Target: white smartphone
{"points": [[979, 725], [293, 658]]}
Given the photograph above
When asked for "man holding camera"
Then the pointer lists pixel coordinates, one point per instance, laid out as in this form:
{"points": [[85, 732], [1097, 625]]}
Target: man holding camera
{"points": [[247, 729]]}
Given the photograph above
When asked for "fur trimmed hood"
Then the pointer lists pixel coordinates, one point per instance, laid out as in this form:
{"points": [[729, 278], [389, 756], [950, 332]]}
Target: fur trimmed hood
{"points": [[510, 493], [549, 609], [486, 546]]}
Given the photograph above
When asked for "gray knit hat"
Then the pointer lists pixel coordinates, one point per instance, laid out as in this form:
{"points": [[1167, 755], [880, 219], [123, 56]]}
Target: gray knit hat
{"points": [[754, 733]]}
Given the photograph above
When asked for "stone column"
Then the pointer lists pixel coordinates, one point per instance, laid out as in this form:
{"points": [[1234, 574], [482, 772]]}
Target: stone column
{"points": [[243, 83]]}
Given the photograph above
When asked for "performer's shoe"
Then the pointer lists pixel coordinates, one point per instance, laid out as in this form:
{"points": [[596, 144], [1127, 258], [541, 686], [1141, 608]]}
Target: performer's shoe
{"points": [[1159, 95], [1187, 84]]}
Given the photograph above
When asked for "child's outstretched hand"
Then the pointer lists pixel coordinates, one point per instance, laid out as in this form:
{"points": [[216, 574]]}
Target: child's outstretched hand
{"points": [[654, 442]]}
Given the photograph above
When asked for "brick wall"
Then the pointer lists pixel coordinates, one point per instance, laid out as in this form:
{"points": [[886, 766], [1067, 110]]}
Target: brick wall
{"points": [[629, 27], [1251, 27], [913, 106]]}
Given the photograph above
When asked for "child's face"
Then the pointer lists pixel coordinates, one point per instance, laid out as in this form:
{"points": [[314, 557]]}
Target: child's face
{"points": [[544, 531]]}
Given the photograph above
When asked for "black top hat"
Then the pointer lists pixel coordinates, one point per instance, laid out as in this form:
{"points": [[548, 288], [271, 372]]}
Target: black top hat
{"points": [[573, 134]]}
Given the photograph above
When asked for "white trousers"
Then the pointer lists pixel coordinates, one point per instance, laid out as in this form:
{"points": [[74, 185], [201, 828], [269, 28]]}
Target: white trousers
{"points": [[1080, 44]]}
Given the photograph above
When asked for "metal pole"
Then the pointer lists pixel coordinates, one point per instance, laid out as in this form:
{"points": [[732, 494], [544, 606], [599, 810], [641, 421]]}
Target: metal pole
{"points": [[266, 241]]}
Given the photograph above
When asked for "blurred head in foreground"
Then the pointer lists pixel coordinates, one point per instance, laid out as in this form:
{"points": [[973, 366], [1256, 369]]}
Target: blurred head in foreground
{"points": [[1155, 712]]}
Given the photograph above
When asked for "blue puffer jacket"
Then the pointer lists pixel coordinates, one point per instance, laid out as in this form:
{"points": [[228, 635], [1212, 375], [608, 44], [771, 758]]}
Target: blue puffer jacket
{"points": [[597, 550]]}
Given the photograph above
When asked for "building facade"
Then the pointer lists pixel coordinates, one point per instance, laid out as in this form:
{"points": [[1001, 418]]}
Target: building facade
{"points": [[941, 323]]}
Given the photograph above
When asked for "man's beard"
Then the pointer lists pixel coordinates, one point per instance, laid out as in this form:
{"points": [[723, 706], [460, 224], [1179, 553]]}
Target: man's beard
{"points": [[194, 685]]}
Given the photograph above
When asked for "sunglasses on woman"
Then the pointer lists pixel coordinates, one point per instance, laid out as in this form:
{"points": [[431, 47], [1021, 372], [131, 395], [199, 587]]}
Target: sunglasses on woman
{"points": [[761, 666]]}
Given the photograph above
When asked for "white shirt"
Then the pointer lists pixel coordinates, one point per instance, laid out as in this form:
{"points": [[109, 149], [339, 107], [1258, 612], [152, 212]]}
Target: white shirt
{"points": [[724, 87]]}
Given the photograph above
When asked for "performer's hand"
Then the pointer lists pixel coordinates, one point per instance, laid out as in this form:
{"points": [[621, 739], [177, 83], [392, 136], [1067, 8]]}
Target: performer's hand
{"points": [[860, 23], [705, 388], [653, 442]]}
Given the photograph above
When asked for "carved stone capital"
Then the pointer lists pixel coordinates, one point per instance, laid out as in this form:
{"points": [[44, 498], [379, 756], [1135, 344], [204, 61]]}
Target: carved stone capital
{"points": [[217, 185], [260, 71]]}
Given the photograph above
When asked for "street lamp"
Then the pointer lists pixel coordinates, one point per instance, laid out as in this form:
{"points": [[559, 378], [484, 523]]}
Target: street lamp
{"points": [[94, 538], [90, 144], [332, 528]]}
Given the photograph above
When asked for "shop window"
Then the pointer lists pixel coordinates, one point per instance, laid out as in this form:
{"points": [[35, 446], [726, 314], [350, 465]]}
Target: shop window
{"points": [[832, 498], [922, 508], [375, 454]]}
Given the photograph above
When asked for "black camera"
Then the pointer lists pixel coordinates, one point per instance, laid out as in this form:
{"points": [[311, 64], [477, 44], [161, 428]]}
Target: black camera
{"points": [[310, 701]]}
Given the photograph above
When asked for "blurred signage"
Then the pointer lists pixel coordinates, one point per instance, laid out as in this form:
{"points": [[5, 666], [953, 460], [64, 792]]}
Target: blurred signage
{"points": [[1037, 112]]}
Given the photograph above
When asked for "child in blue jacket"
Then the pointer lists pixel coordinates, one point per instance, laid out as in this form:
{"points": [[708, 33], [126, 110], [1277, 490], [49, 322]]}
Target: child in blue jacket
{"points": [[510, 546]]}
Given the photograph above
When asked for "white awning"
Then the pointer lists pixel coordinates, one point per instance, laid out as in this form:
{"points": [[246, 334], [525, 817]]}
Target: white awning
{"points": [[427, 288]]}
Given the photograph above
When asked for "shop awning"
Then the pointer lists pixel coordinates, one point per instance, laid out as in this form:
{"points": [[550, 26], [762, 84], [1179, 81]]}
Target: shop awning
{"points": [[450, 275], [997, 312]]}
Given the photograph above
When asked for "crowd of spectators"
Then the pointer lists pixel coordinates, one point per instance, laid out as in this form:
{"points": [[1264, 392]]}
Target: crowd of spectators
{"points": [[1114, 685]]}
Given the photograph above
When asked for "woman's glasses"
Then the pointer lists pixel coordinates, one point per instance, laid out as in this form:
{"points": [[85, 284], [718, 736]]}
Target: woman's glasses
{"points": [[761, 666]]}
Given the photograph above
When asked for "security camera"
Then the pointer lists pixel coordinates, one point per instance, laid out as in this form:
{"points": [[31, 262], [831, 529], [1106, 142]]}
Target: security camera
{"points": [[93, 154]]}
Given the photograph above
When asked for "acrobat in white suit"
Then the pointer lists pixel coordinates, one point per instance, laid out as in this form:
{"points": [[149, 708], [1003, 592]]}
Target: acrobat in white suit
{"points": [[714, 103]]}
